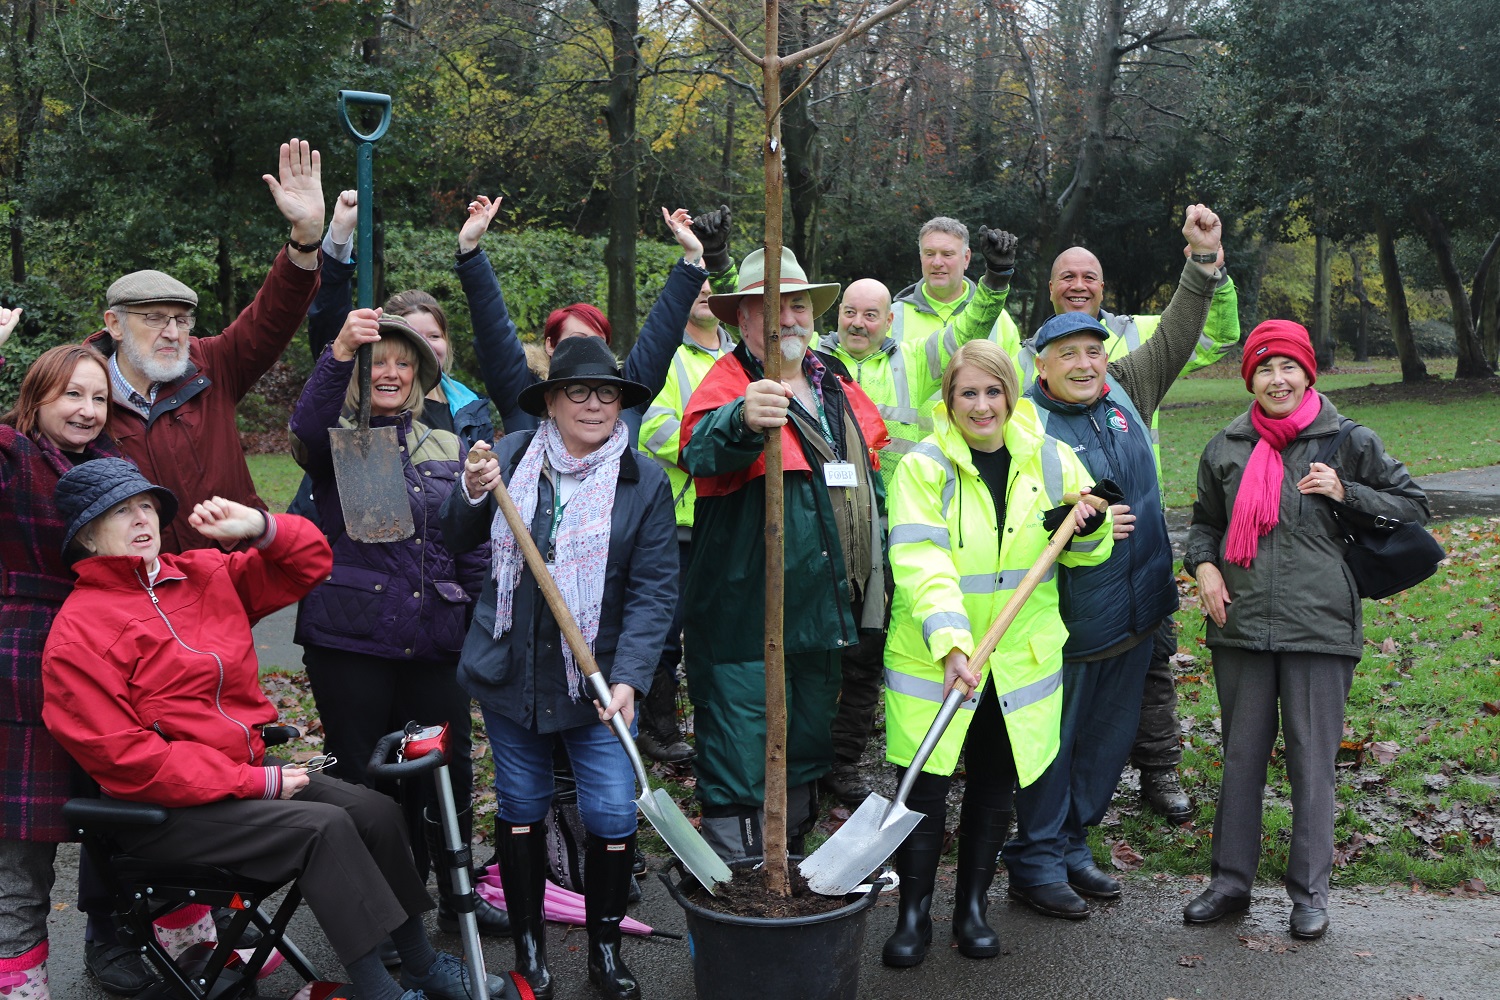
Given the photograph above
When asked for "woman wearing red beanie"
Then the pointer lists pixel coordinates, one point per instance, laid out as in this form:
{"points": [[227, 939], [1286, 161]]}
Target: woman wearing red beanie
{"points": [[1284, 620]]}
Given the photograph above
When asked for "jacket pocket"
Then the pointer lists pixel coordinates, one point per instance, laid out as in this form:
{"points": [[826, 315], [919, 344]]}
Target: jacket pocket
{"points": [[350, 601]]}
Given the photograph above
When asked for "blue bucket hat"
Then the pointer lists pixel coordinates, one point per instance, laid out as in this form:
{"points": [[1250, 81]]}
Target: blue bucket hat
{"points": [[1064, 325], [91, 488]]}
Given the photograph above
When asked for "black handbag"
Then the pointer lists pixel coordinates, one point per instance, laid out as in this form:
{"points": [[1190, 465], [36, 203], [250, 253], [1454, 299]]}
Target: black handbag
{"points": [[1385, 555]]}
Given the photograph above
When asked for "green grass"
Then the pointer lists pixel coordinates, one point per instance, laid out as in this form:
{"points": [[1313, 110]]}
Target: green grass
{"points": [[276, 478], [1429, 683]]}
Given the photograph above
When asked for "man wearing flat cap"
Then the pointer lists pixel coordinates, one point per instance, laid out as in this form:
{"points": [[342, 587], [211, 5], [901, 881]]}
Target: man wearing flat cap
{"points": [[830, 436], [175, 394]]}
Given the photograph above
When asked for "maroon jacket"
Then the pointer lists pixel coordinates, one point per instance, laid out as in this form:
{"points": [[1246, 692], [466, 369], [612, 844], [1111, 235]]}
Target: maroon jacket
{"points": [[36, 776], [191, 444]]}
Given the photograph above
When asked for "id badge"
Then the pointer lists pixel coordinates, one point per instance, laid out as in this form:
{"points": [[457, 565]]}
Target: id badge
{"points": [[840, 474]]}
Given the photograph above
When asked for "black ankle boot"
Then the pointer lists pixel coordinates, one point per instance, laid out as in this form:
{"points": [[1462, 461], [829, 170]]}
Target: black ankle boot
{"points": [[606, 889], [493, 921], [522, 851], [916, 863], [981, 833]]}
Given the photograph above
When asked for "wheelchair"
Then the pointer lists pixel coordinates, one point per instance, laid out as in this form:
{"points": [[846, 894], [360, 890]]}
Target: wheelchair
{"points": [[145, 890]]}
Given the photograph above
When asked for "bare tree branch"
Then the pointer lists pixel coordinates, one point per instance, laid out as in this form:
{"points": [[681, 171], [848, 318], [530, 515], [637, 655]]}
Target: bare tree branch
{"points": [[859, 28], [725, 30]]}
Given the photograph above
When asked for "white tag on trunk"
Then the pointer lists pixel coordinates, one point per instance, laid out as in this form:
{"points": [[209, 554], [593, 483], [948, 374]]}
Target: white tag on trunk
{"points": [[840, 474]]}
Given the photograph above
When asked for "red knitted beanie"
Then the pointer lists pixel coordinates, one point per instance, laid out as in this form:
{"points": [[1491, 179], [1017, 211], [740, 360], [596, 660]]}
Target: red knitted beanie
{"points": [[1279, 337]]}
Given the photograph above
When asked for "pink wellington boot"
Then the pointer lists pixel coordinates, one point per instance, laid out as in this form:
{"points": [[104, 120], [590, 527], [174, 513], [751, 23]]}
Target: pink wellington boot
{"points": [[25, 976]]}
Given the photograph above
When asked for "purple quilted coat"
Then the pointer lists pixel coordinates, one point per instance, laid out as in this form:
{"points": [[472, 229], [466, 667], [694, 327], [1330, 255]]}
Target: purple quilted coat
{"points": [[408, 600], [36, 776]]}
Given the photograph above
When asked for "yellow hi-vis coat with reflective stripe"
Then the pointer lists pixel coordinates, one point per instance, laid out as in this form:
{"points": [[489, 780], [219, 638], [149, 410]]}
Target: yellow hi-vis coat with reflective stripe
{"points": [[661, 426], [905, 373], [954, 571]]}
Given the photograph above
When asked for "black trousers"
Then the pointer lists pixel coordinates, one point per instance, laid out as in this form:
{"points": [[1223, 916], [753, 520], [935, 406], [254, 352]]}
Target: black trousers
{"points": [[346, 844], [658, 710], [1158, 738], [863, 675], [362, 698]]}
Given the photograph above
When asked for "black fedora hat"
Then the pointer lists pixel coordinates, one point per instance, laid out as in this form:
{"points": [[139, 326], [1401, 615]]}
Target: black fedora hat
{"points": [[582, 359], [91, 488]]}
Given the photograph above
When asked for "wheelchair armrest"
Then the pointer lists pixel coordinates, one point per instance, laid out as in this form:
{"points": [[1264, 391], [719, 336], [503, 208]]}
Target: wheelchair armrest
{"points": [[277, 735], [112, 813]]}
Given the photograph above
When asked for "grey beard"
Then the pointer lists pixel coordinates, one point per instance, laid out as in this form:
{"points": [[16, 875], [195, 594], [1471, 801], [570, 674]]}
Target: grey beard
{"points": [[147, 365], [794, 349]]}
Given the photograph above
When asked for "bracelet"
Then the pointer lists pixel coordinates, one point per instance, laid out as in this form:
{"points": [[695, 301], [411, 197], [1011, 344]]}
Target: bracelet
{"points": [[303, 247], [1003, 274], [1204, 258]]}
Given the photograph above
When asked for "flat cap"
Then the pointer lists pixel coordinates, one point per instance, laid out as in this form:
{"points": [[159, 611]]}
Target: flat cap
{"points": [[148, 286]]}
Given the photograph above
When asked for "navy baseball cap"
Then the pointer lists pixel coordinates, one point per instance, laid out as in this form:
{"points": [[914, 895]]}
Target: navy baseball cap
{"points": [[1066, 324]]}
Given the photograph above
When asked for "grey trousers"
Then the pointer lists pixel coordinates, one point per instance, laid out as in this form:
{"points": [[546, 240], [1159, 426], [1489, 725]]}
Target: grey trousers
{"points": [[1305, 694], [347, 842], [26, 879]]}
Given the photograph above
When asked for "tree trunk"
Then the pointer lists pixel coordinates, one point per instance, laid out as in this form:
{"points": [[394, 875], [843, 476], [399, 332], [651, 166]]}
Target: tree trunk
{"points": [[623, 19], [1322, 337], [726, 158], [1412, 368], [28, 122], [224, 287], [1490, 322], [1481, 301], [778, 876], [1357, 282], [799, 136], [1471, 360]]}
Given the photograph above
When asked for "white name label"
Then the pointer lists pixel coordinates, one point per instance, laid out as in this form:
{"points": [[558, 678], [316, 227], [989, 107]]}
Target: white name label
{"points": [[840, 474]]}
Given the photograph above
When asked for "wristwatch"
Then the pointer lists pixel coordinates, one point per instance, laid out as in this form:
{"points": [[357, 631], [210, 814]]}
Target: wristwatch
{"points": [[303, 247], [1204, 258]]}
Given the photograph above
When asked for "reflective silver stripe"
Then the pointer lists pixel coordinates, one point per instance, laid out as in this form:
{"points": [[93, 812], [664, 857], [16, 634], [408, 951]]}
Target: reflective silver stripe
{"points": [[950, 477], [684, 385], [1126, 329], [934, 358], [1028, 367], [899, 446], [1206, 343], [922, 688], [903, 387], [1085, 544], [1030, 694], [909, 534], [900, 414], [950, 341], [663, 434], [898, 322], [991, 583], [943, 619], [1155, 433], [1052, 474]]}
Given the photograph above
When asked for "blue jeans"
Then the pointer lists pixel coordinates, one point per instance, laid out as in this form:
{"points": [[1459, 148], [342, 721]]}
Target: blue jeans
{"points": [[1100, 713], [524, 783]]}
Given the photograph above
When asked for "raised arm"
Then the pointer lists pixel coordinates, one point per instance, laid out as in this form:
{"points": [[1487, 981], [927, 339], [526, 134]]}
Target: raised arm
{"points": [[335, 292], [497, 344], [322, 399], [661, 334]]}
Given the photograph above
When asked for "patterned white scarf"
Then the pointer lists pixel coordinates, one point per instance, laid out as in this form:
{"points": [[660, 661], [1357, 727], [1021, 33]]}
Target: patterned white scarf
{"points": [[581, 551]]}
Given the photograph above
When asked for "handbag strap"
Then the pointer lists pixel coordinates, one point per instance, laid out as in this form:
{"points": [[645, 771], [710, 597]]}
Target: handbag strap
{"points": [[1346, 427]]}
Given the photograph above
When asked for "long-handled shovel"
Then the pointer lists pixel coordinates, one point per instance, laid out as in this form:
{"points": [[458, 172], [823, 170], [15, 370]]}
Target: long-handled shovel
{"points": [[366, 460], [879, 825], [684, 841]]}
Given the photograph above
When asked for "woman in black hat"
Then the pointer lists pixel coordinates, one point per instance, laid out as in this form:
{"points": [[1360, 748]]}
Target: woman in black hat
{"points": [[603, 519]]}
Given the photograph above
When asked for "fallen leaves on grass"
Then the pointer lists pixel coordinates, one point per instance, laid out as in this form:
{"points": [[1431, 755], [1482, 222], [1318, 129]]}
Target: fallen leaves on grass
{"points": [[1385, 751], [1470, 888], [1124, 857]]}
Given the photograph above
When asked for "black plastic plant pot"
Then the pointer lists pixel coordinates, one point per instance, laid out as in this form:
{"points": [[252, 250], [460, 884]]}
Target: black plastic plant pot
{"points": [[815, 957]]}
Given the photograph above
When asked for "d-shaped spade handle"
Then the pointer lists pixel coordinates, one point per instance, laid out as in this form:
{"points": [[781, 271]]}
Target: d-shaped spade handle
{"points": [[382, 101]]}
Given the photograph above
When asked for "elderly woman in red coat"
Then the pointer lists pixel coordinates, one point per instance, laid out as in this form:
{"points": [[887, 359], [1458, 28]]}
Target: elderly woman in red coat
{"points": [[57, 421]]}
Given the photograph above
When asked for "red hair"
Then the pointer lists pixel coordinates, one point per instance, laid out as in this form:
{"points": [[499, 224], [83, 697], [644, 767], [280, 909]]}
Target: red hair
{"points": [[581, 311], [47, 379]]}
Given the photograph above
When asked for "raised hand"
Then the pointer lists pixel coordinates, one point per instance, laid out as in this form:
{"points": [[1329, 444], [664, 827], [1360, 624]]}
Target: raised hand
{"points": [[481, 214], [224, 520], [712, 229], [998, 248], [681, 225], [9, 320], [298, 191], [1204, 233], [362, 326], [345, 216]]}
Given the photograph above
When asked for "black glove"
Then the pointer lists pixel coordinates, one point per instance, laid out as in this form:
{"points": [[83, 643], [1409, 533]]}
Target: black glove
{"points": [[712, 230], [999, 250], [1104, 489]]}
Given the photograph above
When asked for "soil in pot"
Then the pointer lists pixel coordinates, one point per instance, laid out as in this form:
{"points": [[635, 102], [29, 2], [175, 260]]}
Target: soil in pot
{"points": [[746, 895]]}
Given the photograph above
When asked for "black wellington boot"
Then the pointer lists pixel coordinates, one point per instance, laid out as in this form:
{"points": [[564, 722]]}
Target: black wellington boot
{"points": [[522, 851], [493, 921], [916, 863], [606, 890], [981, 833]]}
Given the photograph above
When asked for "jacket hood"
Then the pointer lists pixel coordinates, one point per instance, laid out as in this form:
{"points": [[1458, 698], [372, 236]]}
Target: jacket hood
{"points": [[831, 345], [912, 296]]}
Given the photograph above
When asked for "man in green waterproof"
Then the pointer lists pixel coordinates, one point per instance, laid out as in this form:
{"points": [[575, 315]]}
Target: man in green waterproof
{"points": [[897, 377]]}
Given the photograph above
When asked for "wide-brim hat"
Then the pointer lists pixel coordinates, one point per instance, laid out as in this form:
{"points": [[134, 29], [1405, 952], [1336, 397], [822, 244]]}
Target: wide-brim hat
{"points": [[92, 488], [753, 282], [429, 371], [582, 359]]}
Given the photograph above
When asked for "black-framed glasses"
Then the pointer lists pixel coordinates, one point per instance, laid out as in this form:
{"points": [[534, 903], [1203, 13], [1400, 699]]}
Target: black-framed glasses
{"points": [[579, 393], [159, 320]]}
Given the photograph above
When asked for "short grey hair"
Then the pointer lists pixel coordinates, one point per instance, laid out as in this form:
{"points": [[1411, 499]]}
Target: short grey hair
{"points": [[943, 224]]}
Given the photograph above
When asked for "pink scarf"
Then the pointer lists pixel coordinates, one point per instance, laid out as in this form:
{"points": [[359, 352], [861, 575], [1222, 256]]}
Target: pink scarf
{"points": [[1257, 505]]}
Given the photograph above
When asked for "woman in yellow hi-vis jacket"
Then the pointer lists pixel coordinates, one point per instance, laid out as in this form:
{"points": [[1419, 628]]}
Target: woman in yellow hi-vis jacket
{"points": [[966, 523]]}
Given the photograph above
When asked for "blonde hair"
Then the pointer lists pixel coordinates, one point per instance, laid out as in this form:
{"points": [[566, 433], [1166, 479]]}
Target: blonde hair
{"points": [[989, 358], [387, 345]]}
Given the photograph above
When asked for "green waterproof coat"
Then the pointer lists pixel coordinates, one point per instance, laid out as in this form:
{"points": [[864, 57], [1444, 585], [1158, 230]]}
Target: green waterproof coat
{"points": [[954, 571]]}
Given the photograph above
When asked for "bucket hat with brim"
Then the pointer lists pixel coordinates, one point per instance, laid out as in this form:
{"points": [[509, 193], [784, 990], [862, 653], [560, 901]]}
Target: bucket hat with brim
{"points": [[429, 372], [89, 489], [753, 282], [582, 359]]}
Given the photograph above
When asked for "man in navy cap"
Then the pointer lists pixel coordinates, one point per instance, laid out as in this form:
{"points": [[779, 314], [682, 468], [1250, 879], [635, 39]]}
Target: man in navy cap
{"points": [[1103, 409]]}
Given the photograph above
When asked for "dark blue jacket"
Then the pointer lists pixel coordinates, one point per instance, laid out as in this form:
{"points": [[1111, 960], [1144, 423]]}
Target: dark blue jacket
{"points": [[407, 600], [1133, 590], [521, 674], [502, 359]]}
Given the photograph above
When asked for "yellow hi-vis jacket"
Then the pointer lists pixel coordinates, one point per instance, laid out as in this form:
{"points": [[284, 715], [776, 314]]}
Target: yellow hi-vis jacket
{"points": [[955, 569], [903, 373], [663, 420]]}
